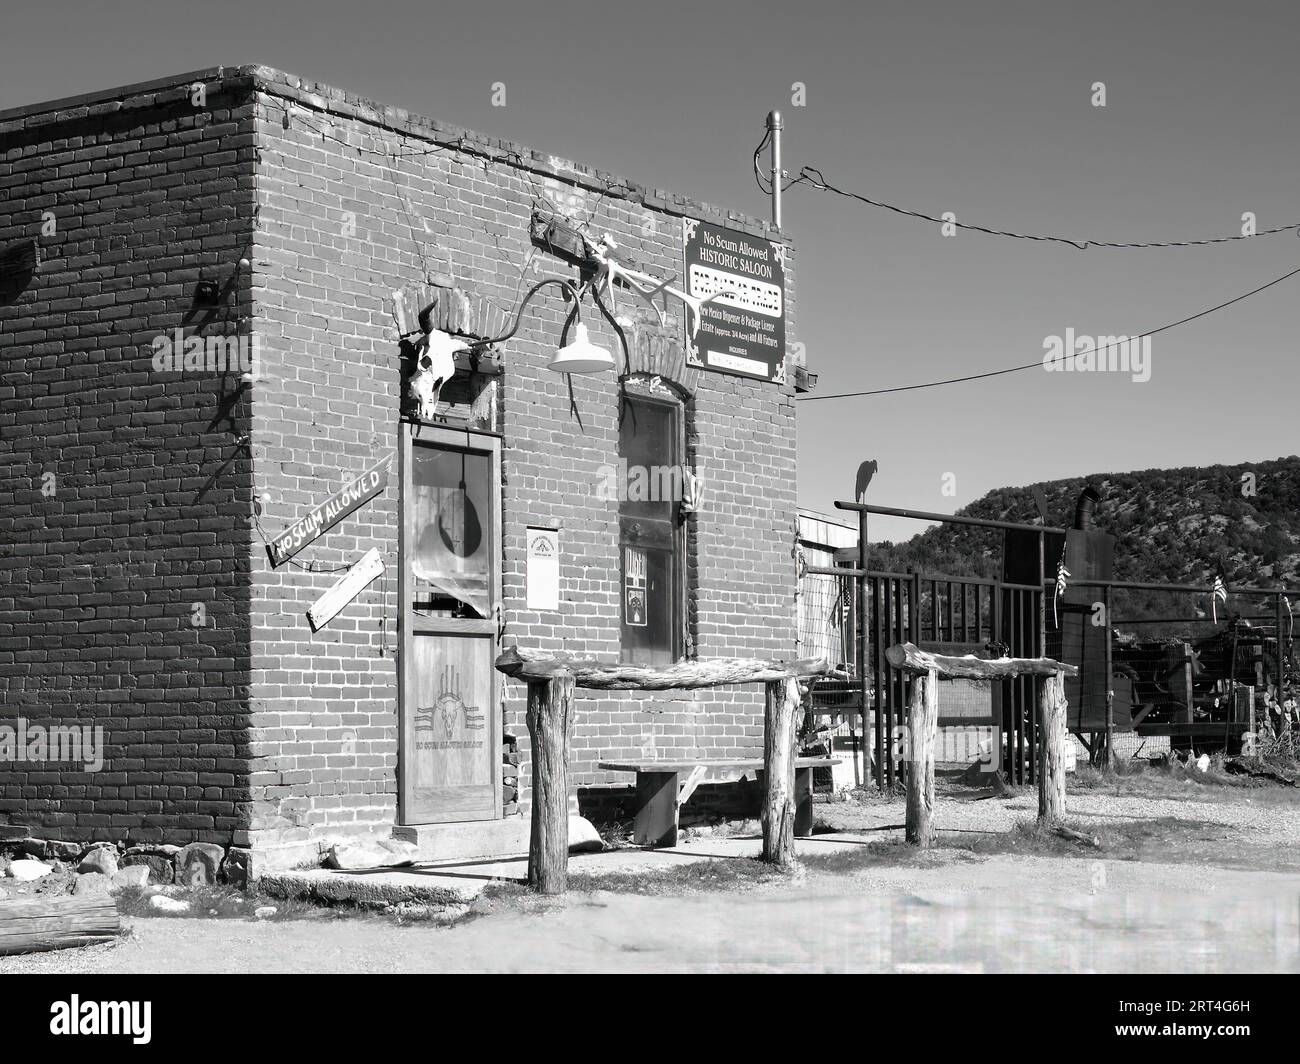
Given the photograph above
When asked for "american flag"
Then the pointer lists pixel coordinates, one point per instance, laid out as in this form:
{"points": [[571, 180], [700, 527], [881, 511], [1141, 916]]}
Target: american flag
{"points": [[1220, 592], [1062, 578]]}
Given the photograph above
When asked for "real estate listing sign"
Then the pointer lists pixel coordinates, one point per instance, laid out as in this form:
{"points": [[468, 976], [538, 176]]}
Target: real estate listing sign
{"points": [[743, 330]]}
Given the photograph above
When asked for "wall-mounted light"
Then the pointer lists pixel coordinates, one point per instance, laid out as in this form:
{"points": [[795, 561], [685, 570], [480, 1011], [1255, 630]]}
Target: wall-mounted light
{"points": [[579, 356]]}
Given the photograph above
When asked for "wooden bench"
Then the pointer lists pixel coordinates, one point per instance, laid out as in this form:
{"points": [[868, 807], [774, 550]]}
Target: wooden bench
{"points": [[661, 791]]}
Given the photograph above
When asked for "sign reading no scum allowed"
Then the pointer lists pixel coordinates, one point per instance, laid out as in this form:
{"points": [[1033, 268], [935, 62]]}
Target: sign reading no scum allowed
{"points": [[743, 332]]}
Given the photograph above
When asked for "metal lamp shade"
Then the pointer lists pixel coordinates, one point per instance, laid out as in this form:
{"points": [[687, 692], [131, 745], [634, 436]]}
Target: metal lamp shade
{"points": [[581, 356]]}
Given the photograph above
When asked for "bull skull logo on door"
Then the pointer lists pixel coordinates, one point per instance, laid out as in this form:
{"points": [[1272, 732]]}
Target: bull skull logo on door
{"points": [[449, 709]]}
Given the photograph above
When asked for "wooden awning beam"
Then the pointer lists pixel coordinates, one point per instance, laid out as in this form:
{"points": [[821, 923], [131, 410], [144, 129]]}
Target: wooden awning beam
{"points": [[911, 658], [684, 675]]}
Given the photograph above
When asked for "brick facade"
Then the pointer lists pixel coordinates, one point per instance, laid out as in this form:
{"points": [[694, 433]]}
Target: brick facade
{"points": [[255, 730], [124, 494]]}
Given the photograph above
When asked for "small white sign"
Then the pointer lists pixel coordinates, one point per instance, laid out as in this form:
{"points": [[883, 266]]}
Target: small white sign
{"points": [[543, 569], [345, 589]]}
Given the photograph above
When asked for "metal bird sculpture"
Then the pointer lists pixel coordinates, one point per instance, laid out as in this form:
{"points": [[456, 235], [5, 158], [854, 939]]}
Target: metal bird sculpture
{"points": [[866, 471]]}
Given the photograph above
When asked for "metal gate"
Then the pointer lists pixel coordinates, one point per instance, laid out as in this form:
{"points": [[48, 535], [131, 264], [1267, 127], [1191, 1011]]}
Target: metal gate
{"points": [[946, 614]]}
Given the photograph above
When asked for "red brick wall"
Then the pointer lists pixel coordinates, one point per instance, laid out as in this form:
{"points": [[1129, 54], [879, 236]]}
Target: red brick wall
{"points": [[349, 211], [254, 729], [146, 514]]}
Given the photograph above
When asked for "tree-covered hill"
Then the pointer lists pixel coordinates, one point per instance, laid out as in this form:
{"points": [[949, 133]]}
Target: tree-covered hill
{"points": [[1176, 526]]}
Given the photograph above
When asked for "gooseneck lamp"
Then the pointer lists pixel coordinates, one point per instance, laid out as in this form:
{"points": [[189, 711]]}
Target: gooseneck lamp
{"points": [[579, 356]]}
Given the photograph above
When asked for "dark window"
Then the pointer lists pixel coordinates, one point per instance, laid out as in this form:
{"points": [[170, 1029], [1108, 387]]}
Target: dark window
{"points": [[651, 537]]}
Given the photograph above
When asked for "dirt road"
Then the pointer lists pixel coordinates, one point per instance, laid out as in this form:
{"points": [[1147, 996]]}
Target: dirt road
{"points": [[952, 911]]}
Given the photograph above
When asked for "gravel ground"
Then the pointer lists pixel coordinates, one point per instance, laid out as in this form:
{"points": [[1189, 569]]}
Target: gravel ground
{"points": [[1220, 901], [1250, 814], [950, 912]]}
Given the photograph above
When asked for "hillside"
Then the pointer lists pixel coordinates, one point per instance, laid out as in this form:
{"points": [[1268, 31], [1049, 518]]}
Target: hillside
{"points": [[1176, 526]]}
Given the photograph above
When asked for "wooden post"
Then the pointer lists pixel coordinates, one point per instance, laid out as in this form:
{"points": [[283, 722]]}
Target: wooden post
{"points": [[35, 924], [1051, 782], [1110, 681], [922, 726], [778, 775], [550, 714]]}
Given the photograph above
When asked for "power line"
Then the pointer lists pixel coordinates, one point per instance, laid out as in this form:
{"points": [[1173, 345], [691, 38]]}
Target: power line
{"points": [[810, 175], [1058, 358]]}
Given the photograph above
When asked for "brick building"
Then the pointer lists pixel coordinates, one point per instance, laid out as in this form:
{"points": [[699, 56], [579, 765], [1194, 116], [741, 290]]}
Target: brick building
{"points": [[168, 413]]}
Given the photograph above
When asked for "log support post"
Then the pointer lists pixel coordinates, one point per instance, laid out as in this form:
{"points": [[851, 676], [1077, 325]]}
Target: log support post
{"points": [[550, 718], [1051, 781], [779, 799], [922, 729]]}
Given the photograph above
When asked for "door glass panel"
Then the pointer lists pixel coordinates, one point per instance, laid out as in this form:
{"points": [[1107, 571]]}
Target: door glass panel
{"points": [[450, 515]]}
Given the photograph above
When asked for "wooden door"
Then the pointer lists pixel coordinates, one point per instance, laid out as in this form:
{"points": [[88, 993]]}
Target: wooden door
{"points": [[450, 752]]}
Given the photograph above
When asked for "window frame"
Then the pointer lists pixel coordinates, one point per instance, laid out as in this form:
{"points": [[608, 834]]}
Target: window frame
{"points": [[653, 392]]}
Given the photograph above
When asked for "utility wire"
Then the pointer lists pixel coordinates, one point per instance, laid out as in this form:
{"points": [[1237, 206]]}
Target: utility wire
{"points": [[1058, 358], [810, 175]]}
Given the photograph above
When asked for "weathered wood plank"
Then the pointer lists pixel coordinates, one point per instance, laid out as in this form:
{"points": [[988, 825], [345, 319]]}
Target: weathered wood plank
{"points": [[724, 764], [32, 925], [347, 587], [685, 675], [911, 658]]}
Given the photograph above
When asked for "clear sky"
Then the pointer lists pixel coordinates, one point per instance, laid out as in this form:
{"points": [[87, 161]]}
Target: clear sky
{"points": [[980, 108]]}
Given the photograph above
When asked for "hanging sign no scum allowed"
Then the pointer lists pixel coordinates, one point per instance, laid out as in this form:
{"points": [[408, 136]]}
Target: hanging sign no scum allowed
{"points": [[742, 332], [355, 493]]}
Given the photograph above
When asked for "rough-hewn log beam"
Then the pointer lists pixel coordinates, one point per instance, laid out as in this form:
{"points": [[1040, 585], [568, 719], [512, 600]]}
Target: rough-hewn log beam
{"points": [[550, 717], [1051, 780], [29, 925], [685, 675], [911, 658], [922, 726], [778, 776]]}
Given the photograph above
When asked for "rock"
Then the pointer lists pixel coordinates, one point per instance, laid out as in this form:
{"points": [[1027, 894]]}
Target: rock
{"points": [[92, 883], [198, 863], [264, 912], [161, 869], [132, 876], [405, 852], [160, 903], [101, 860], [27, 870], [583, 836], [371, 853], [64, 851], [157, 849], [235, 868]]}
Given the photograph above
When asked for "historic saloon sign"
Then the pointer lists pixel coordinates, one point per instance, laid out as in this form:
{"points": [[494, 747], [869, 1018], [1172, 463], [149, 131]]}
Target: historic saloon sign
{"points": [[742, 332], [355, 493]]}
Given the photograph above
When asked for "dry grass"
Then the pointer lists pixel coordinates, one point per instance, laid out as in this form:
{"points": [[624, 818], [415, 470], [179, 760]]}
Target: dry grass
{"points": [[1178, 780], [721, 874], [218, 903]]}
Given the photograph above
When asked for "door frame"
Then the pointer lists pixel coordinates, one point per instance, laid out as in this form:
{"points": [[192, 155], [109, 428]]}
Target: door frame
{"points": [[408, 626]]}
